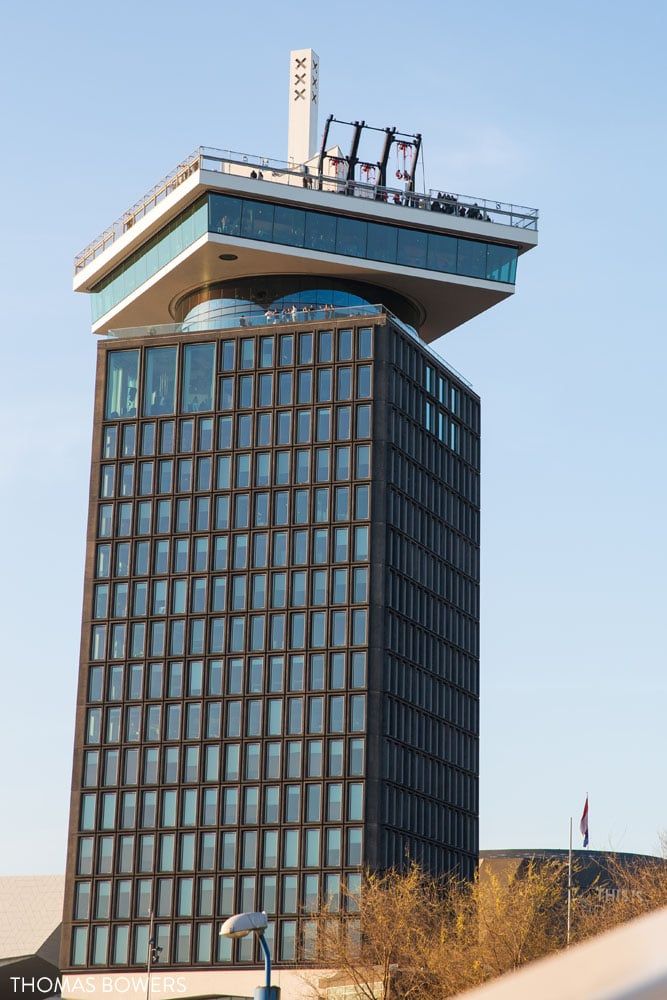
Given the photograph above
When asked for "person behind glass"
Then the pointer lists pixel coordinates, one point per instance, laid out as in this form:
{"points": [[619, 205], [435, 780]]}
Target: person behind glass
{"points": [[131, 401], [286, 313], [293, 313]]}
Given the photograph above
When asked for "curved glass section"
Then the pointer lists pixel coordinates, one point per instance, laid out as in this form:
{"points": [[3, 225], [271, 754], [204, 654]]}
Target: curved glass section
{"points": [[281, 299]]}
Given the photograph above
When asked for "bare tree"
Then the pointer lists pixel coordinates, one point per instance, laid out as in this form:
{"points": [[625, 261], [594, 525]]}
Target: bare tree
{"points": [[413, 937]]}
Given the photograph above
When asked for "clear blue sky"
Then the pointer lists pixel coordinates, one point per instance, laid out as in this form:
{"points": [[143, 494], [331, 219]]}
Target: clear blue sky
{"points": [[560, 106]]}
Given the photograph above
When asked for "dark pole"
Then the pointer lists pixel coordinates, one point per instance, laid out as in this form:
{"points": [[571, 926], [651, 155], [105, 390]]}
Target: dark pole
{"points": [[323, 149], [384, 159], [413, 169], [354, 149]]}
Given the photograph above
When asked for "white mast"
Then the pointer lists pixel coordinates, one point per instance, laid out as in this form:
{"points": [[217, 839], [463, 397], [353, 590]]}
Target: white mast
{"points": [[303, 96]]}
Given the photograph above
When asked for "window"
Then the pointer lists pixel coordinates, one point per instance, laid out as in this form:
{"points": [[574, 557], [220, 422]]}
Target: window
{"points": [[159, 394], [257, 221], [122, 380], [291, 848], [382, 242], [333, 857]]}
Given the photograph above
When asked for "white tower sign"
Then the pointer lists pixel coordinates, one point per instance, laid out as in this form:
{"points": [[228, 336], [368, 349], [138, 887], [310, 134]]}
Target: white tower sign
{"points": [[303, 95]]}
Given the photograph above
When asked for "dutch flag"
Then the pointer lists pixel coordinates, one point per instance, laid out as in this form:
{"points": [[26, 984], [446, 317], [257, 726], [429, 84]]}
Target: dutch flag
{"points": [[583, 823]]}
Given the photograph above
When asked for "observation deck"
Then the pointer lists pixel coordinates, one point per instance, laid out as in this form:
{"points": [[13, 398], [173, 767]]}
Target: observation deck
{"points": [[222, 216]]}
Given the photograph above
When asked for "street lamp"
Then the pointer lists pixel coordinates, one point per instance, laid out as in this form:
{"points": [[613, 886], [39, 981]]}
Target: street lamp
{"points": [[239, 926]]}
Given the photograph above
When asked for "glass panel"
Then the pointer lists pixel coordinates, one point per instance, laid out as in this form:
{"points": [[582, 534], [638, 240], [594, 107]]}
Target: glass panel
{"points": [[351, 237], [122, 380], [501, 263], [289, 226], [257, 222], [224, 215], [382, 242], [471, 259], [441, 254], [160, 381], [198, 377], [411, 248], [320, 232]]}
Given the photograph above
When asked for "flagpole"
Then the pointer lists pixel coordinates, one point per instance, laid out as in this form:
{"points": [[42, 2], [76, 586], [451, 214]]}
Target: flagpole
{"points": [[569, 887]]}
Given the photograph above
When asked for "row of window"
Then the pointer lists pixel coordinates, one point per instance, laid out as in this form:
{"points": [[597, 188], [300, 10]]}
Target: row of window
{"points": [[261, 430], [235, 761], [396, 845], [432, 820], [187, 943], [421, 687], [242, 471], [128, 394], [455, 589], [426, 526], [287, 847], [222, 512], [200, 594], [418, 562], [195, 720], [426, 486], [259, 550], [232, 634], [408, 767], [306, 348], [204, 896], [433, 736], [432, 611], [280, 508], [414, 360], [236, 430], [412, 641], [324, 385], [430, 417], [340, 234], [194, 807], [234, 676]]}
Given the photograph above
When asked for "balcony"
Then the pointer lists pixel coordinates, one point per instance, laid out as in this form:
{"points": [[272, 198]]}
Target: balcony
{"points": [[244, 320]]}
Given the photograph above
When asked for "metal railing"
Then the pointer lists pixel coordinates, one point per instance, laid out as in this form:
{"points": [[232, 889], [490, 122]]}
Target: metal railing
{"points": [[314, 314], [267, 170], [141, 208]]}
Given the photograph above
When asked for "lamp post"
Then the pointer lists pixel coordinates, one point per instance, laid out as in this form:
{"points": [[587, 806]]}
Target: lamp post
{"points": [[242, 924]]}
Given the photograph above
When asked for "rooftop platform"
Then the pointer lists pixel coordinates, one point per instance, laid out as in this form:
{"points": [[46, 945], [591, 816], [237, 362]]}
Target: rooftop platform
{"points": [[280, 172], [137, 280]]}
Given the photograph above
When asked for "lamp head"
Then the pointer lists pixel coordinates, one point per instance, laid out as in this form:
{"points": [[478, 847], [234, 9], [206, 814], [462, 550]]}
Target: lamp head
{"points": [[244, 923]]}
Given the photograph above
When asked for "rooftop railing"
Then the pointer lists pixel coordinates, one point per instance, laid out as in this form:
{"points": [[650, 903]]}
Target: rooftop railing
{"points": [[283, 317], [266, 170]]}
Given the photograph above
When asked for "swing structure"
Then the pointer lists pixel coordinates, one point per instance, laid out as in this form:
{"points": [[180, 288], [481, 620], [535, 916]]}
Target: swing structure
{"points": [[406, 146]]}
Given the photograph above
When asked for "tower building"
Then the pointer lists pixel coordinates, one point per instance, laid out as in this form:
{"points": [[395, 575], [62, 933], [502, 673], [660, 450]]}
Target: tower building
{"points": [[279, 655]]}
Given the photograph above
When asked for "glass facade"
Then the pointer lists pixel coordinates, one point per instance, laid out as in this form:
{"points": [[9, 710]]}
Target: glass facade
{"points": [[280, 646], [430, 656], [323, 232], [222, 729]]}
